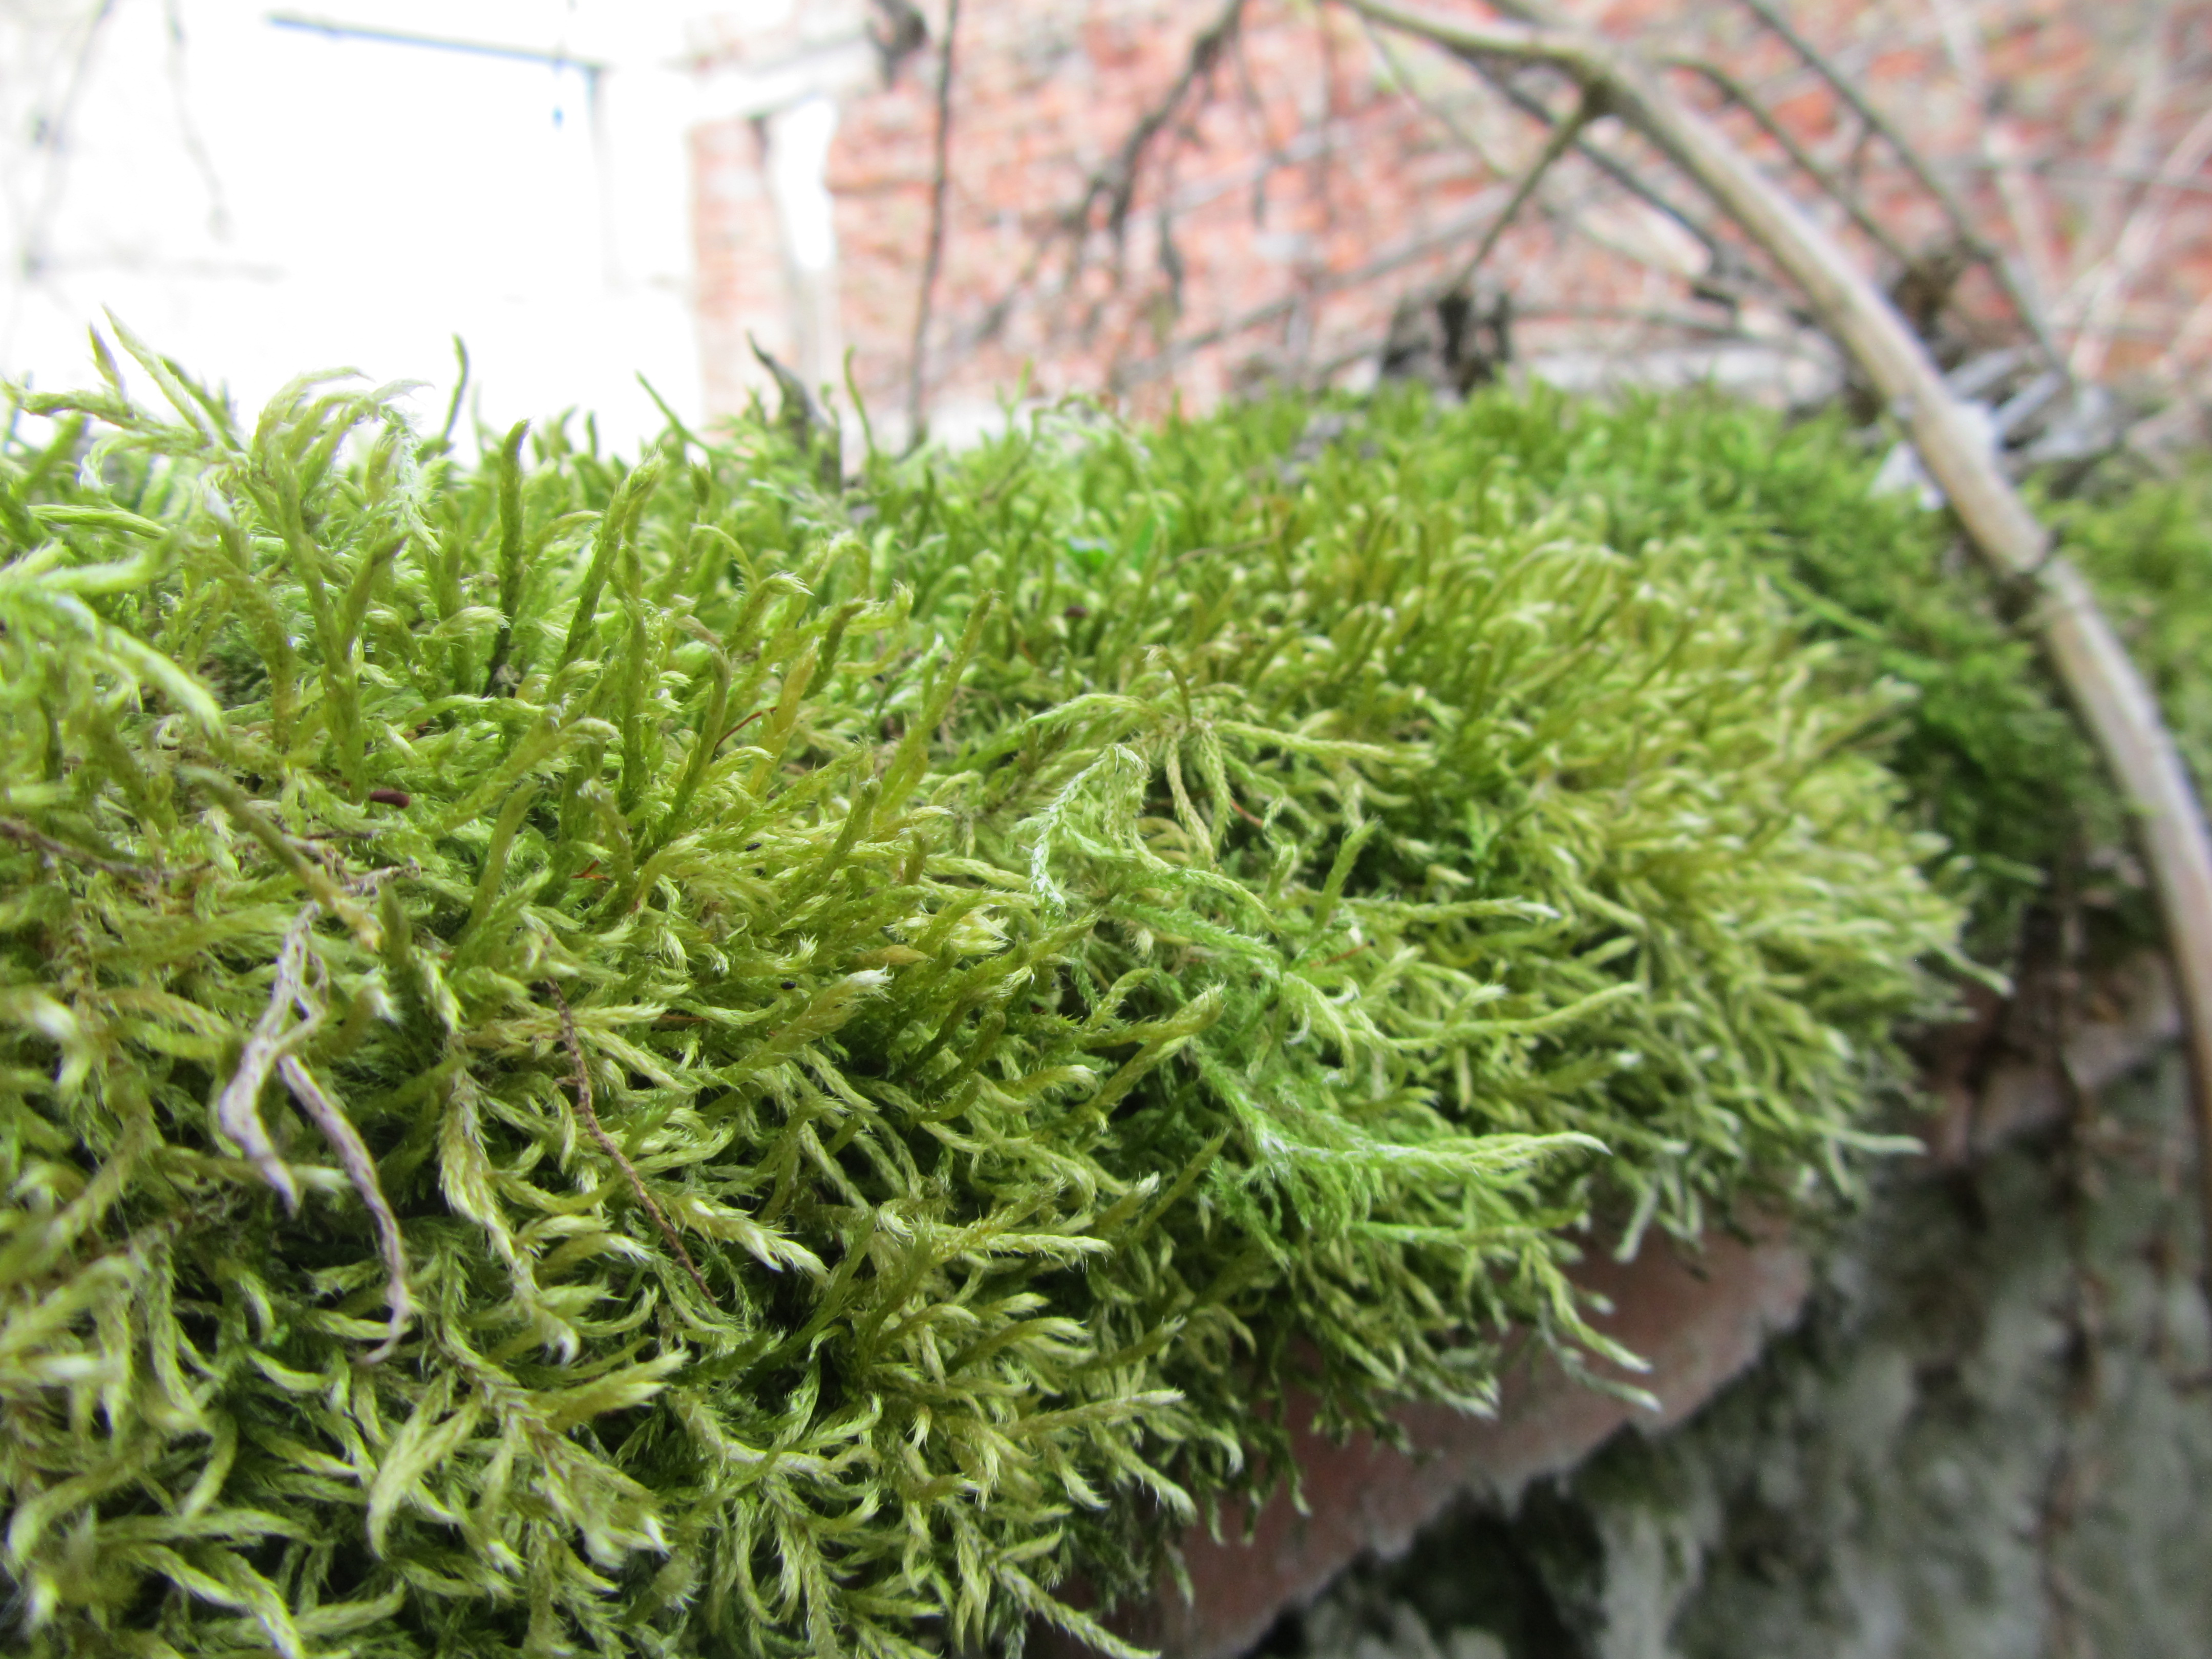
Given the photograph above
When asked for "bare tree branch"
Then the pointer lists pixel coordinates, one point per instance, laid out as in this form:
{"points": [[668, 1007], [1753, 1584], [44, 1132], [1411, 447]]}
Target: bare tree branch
{"points": [[2104, 286], [1834, 188], [932, 259], [1116, 182], [1402, 73], [2030, 230], [1604, 159], [195, 145], [1962, 224], [1163, 361]]}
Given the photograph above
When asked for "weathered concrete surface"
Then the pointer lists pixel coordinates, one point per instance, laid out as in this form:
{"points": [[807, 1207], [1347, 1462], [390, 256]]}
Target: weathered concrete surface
{"points": [[1701, 1319]]}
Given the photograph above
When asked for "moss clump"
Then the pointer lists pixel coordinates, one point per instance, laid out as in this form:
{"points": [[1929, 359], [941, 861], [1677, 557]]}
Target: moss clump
{"points": [[645, 1059], [1988, 753], [2148, 549]]}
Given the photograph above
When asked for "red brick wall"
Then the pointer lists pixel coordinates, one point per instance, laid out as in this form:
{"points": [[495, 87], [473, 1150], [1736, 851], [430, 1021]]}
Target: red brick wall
{"points": [[739, 275], [1297, 164]]}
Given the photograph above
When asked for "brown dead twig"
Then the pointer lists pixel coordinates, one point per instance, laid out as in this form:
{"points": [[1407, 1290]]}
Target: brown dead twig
{"points": [[28, 836], [1563, 136], [1116, 182], [580, 1081], [932, 260], [2115, 705], [1607, 162], [1963, 229]]}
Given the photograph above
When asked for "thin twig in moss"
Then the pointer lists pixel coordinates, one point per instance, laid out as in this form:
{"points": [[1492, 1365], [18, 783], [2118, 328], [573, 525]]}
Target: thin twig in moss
{"points": [[17, 831], [580, 1078], [274, 1046]]}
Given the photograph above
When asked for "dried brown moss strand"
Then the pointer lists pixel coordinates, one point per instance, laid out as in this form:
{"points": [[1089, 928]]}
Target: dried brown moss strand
{"points": [[579, 1080]]}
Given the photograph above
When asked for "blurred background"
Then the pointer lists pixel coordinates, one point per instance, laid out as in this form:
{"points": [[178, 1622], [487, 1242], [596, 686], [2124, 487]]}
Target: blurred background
{"points": [[989, 200]]}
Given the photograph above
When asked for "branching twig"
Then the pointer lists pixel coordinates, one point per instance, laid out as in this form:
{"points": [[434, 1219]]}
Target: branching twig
{"points": [[1163, 361], [195, 145], [579, 1080], [1806, 162], [2031, 234], [1440, 114], [1116, 181], [1962, 225], [1563, 138], [932, 259], [2105, 284], [1604, 160], [17, 831]]}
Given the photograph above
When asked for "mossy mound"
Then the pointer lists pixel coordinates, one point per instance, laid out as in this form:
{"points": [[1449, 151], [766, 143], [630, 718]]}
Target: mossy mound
{"points": [[652, 1059], [2147, 545]]}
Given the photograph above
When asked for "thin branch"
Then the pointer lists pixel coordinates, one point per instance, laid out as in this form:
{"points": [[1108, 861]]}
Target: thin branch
{"points": [[195, 145], [1725, 267], [1563, 138], [2051, 168], [1165, 361], [59, 142], [1962, 225], [1357, 133], [1440, 114], [1603, 160], [2131, 148], [1834, 188], [932, 259], [1646, 318], [1117, 181], [1274, 155], [17, 831], [295, 1012], [2104, 285], [579, 1080], [360, 1166], [2030, 230]]}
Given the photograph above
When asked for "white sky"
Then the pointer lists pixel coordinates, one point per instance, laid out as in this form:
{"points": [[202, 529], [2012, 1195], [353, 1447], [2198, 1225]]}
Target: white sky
{"points": [[355, 203]]}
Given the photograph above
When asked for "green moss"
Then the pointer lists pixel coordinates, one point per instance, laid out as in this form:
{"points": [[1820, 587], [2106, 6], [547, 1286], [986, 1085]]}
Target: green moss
{"points": [[884, 1032], [2148, 551], [1985, 747]]}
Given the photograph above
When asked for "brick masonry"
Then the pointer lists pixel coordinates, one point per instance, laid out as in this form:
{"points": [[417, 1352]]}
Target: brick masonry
{"points": [[1299, 189]]}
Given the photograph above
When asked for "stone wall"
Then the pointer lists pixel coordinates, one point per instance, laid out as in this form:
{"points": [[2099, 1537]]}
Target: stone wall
{"points": [[1990, 1434]]}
